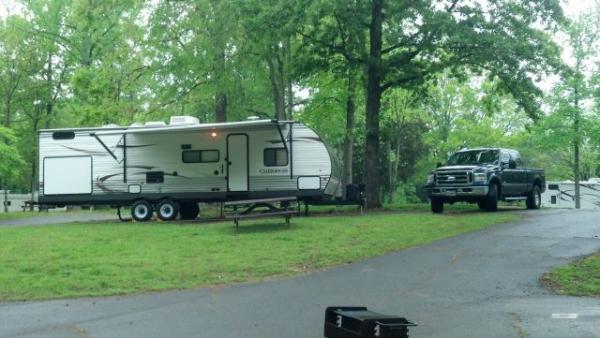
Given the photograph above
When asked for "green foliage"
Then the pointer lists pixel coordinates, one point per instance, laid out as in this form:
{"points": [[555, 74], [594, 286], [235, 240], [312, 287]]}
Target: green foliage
{"points": [[11, 162], [450, 75]]}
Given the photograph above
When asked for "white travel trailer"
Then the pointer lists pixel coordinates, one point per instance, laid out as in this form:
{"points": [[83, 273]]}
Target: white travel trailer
{"points": [[562, 194], [170, 168]]}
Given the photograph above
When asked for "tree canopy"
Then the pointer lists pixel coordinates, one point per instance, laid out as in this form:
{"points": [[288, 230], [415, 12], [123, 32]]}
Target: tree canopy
{"points": [[392, 86]]}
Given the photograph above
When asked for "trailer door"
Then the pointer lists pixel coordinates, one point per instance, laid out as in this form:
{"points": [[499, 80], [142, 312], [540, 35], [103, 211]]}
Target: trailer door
{"points": [[238, 168]]}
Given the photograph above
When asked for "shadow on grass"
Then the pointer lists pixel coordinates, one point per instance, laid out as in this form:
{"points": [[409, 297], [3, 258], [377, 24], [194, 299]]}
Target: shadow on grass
{"points": [[252, 228]]}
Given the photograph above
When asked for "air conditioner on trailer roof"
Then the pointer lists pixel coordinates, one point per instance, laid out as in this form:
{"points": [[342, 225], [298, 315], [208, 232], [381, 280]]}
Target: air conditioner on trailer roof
{"points": [[183, 120]]}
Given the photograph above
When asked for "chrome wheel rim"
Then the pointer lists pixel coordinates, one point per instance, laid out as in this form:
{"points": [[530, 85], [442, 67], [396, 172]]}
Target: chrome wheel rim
{"points": [[141, 211], [166, 210]]}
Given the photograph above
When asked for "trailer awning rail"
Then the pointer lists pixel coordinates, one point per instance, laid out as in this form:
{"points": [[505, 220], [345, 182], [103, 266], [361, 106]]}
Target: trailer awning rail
{"points": [[192, 127]]}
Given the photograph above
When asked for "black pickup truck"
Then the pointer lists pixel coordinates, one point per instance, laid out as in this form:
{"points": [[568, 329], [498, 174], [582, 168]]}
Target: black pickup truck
{"points": [[485, 176]]}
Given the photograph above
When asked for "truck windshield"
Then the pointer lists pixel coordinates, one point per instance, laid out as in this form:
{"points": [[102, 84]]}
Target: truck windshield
{"points": [[489, 156]]}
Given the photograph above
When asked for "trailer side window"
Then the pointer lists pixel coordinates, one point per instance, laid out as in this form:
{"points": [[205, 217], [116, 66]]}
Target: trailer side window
{"points": [[275, 157], [155, 177], [63, 135], [200, 156]]}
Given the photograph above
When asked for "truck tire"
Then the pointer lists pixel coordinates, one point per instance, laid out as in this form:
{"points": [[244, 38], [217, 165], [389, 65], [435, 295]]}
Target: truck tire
{"points": [[141, 211], [534, 199], [437, 206], [189, 210], [481, 204], [491, 200], [167, 210]]}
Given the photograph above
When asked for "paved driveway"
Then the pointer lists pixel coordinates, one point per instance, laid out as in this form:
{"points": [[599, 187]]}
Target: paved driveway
{"points": [[482, 284]]}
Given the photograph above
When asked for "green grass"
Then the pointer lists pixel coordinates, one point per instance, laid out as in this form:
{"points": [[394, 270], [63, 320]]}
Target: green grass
{"points": [[74, 260], [580, 278]]}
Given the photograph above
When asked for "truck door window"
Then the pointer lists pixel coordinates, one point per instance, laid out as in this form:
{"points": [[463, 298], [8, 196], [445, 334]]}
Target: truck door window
{"points": [[517, 158], [504, 157]]}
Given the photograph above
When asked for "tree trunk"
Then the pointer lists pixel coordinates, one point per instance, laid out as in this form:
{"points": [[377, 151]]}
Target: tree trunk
{"points": [[349, 137], [49, 105], [220, 107], [288, 77], [220, 96], [391, 181], [371, 168], [276, 76], [576, 155]]}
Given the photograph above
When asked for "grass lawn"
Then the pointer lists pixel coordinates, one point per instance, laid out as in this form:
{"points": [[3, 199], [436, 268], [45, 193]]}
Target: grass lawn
{"points": [[104, 259], [580, 278]]}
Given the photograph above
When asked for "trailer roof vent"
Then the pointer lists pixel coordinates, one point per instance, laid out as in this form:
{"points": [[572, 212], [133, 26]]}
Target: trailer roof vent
{"points": [[182, 120], [155, 124], [253, 118]]}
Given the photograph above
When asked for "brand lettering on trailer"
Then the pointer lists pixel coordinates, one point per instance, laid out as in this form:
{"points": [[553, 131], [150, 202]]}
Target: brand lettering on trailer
{"points": [[273, 171]]}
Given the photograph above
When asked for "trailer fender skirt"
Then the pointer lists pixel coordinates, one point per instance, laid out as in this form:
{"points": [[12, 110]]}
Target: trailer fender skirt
{"points": [[128, 219]]}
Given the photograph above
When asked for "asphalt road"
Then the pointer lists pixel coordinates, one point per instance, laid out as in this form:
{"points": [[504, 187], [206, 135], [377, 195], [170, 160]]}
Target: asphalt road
{"points": [[482, 284]]}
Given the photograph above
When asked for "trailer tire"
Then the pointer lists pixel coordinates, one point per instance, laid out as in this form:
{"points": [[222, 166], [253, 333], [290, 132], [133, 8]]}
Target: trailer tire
{"points": [[437, 205], [141, 211], [491, 201], [189, 210], [167, 210], [534, 198]]}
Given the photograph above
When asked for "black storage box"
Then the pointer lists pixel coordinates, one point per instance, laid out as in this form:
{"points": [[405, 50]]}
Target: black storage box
{"points": [[359, 322]]}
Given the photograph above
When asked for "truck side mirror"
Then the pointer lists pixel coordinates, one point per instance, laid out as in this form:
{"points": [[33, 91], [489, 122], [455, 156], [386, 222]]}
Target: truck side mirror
{"points": [[512, 164], [439, 164]]}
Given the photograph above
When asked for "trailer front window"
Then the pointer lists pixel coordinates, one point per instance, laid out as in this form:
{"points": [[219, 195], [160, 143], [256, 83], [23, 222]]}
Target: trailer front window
{"points": [[275, 157]]}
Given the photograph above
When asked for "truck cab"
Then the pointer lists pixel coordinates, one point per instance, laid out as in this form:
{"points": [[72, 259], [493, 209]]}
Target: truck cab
{"points": [[485, 176]]}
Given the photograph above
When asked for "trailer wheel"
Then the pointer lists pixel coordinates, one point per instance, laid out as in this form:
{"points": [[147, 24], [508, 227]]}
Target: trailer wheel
{"points": [[141, 211], [189, 210], [167, 210]]}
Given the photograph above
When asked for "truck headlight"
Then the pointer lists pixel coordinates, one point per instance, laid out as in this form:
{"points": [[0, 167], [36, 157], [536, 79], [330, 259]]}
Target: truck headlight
{"points": [[430, 179], [479, 177]]}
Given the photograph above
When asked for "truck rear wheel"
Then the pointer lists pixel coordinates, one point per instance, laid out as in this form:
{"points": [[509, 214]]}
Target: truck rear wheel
{"points": [[189, 210], [437, 206], [167, 210], [141, 211], [534, 199], [491, 200]]}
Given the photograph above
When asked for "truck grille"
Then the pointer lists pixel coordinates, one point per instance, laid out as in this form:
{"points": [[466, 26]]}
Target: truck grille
{"points": [[452, 177]]}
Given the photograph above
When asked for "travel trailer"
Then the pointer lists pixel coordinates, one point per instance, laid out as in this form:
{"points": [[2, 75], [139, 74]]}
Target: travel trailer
{"points": [[170, 168], [562, 194]]}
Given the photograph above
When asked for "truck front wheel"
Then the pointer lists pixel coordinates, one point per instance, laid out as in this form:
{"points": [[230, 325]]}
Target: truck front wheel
{"points": [[481, 205], [534, 199], [491, 200], [437, 206]]}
